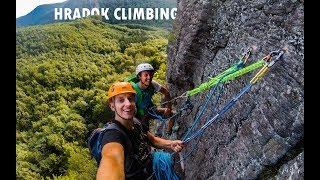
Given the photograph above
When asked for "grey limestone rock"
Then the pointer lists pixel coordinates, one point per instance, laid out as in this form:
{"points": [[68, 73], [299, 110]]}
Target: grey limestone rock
{"points": [[208, 37]]}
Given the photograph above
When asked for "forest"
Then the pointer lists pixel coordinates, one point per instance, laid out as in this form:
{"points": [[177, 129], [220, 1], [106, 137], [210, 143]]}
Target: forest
{"points": [[63, 71]]}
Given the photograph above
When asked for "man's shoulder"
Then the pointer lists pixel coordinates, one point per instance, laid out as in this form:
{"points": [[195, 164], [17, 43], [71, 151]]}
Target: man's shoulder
{"points": [[114, 132], [155, 82], [156, 86], [115, 136]]}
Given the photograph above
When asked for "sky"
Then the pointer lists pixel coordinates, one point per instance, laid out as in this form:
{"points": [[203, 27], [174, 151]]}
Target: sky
{"points": [[23, 7]]}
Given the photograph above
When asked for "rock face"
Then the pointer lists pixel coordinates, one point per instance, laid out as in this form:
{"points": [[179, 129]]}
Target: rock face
{"points": [[267, 122], [293, 170]]}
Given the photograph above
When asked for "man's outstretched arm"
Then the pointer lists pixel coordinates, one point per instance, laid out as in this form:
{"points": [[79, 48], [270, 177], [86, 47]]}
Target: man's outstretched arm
{"points": [[171, 145], [112, 162]]}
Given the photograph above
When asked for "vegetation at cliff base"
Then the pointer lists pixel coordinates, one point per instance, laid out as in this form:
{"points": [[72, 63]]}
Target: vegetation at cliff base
{"points": [[63, 71]]}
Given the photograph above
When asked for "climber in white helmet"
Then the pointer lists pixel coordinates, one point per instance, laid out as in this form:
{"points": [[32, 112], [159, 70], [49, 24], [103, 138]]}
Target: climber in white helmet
{"points": [[146, 88]]}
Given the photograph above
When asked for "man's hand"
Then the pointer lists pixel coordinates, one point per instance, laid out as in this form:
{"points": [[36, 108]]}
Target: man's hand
{"points": [[164, 111], [167, 112], [176, 145], [169, 145]]}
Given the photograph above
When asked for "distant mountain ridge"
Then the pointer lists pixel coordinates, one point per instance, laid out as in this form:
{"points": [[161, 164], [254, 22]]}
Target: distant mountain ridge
{"points": [[44, 14]]}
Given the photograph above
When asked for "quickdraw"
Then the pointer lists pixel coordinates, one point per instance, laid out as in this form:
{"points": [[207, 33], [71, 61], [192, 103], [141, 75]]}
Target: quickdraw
{"points": [[262, 72], [164, 158]]}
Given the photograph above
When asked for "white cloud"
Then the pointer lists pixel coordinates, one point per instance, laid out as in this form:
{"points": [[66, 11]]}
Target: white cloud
{"points": [[23, 7]]}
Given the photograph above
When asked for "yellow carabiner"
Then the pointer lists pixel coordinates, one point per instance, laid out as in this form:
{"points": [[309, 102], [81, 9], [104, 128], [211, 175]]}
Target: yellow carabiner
{"points": [[260, 74]]}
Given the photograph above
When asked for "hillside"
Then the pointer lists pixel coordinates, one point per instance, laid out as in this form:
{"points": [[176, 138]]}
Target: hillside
{"points": [[44, 14], [62, 73]]}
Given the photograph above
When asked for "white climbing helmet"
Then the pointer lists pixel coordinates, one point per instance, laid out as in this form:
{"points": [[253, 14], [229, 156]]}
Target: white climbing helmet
{"points": [[144, 67]]}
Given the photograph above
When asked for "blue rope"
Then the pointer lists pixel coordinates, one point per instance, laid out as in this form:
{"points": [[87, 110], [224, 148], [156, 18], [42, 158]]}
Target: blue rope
{"points": [[238, 66], [199, 137], [222, 111], [163, 166], [187, 105], [200, 113], [162, 161], [156, 116]]}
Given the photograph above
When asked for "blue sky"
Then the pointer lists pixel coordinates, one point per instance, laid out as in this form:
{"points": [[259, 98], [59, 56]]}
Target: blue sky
{"points": [[23, 7]]}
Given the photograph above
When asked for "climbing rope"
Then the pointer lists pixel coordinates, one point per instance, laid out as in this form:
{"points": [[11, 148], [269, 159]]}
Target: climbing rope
{"points": [[204, 106], [165, 159], [196, 122], [163, 166], [227, 75], [186, 106], [258, 76], [231, 76]]}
